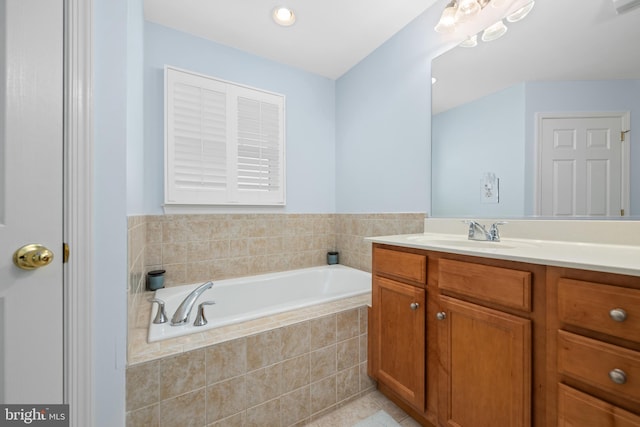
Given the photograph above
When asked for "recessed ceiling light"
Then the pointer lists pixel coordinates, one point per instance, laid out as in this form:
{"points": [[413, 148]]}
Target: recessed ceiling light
{"points": [[283, 16]]}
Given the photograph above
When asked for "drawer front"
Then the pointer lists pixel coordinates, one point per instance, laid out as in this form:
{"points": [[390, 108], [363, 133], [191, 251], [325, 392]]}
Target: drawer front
{"points": [[576, 409], [404, 265], [595, 362], [504, 286], [602, 308]]}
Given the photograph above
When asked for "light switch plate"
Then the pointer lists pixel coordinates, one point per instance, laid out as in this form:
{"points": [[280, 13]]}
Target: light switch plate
{"points": [[489, 188]]}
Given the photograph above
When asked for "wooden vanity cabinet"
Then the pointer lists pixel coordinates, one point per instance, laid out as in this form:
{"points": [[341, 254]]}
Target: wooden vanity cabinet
{"points": [[451, 339], [594, 346], [397, 336], [485, 376]]}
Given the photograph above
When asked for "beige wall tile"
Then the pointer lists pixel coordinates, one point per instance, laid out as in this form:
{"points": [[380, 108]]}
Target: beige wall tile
{"points": [[323, 331], [185, 410], [226, 360], [347, 324], [265, 415], [181, 374], [323, 394], [143, 385], [323, 363], [263, 384], [264, 349], [296, 340], [295, 407], [237, 420], [145, 417], [347, 383], [225, 398], [295, 373], [348, 353]]}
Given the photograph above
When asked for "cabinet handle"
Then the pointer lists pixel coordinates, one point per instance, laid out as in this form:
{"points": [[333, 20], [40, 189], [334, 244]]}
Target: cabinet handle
{"points": [[441, 315], [618, 314], [414, 306], [618, 376]]}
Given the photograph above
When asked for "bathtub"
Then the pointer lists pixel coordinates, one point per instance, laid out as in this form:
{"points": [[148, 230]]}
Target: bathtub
{"points": [[247, 298]]}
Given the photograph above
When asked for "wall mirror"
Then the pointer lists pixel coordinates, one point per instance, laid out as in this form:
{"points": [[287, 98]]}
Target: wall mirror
{"points": [[566, 57]]}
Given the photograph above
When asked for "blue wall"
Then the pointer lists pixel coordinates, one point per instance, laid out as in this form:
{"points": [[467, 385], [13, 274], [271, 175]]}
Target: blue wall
{"points": [[110, 187], [383, 111], [310, 113]]}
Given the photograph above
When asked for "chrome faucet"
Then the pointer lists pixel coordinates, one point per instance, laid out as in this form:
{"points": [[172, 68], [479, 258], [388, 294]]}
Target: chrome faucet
{"points": [[477, 231], [181, 316]]}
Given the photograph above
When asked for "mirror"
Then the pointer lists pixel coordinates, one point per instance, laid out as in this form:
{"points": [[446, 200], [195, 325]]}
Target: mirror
{"points": [[565, 57]]}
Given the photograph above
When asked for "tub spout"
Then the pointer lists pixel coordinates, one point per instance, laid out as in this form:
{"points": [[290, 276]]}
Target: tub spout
{"points": [[181, 316]]}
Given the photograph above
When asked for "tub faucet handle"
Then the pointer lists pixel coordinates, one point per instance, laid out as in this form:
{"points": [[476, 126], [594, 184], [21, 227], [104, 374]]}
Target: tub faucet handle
{"points": [[200, 319], [161, 316]]}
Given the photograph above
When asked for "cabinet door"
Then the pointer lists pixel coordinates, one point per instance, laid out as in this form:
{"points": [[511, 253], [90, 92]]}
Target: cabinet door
{"points": [[485, 378], [400, 343]]}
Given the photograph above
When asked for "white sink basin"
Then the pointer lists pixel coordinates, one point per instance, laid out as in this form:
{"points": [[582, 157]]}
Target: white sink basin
{"points": [[468, 244]]}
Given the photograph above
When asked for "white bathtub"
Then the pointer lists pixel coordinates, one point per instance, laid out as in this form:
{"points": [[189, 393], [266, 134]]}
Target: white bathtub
{"points": [[247, 298]]}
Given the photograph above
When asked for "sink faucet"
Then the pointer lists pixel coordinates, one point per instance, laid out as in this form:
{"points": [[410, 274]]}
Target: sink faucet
{"points": [[477, 231], [181, 316]]}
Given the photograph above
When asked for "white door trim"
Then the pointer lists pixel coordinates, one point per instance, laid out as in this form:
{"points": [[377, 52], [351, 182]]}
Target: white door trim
{"points": [[626, 153], [78, 208]]}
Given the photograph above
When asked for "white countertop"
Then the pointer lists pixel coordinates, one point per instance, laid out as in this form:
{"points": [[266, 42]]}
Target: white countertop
{"points": [[612, 258]]}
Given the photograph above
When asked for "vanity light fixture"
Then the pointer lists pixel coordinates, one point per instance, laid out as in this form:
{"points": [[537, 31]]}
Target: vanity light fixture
{"points": [[283, 16], [458, 12]]}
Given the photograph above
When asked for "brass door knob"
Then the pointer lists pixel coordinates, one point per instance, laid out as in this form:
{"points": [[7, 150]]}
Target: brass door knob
{"points": [[32, 256]]}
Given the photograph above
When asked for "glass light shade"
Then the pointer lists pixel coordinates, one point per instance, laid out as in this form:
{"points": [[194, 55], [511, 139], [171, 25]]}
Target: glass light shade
{"points": [[521, 13], [498, 4], [494, 31], [283, 16], [467, 9], [447, 22], [470, 41]]}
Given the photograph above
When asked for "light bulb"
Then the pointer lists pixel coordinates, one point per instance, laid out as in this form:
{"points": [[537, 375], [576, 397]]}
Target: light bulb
{"points": [[447, 22], [521, 13], [494, 31], [471, 41], [467, 9], [283, 16]]}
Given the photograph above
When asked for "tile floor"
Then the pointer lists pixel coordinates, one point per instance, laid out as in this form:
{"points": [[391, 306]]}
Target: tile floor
{"points": [[359, 409]]}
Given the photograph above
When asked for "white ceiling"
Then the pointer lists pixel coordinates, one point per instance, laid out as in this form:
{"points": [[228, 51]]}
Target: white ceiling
{"points": [[559, 40], [328, 38]]}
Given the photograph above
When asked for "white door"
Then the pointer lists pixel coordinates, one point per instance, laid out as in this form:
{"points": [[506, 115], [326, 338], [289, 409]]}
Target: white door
{"points": [[31, 152], [582, 165]]}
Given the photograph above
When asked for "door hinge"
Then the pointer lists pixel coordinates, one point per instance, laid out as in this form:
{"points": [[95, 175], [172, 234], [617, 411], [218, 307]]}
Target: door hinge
{"points": [[65, 256], [621, 212], [622, 134]]}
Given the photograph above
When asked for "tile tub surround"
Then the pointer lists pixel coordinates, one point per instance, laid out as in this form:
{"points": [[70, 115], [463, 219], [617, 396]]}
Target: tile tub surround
{"points": [[195, 248], [287, 376]]}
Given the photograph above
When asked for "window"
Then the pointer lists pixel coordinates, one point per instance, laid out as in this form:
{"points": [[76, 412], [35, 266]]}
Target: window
{"points": [[224, 143]]}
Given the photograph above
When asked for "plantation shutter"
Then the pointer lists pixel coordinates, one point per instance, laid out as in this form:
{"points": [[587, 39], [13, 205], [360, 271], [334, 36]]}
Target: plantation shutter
{"points": [[224, 143]]}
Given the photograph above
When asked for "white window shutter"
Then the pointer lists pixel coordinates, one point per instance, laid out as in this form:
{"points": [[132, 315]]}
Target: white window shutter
{"points": [[224, 142], [260, 148]]}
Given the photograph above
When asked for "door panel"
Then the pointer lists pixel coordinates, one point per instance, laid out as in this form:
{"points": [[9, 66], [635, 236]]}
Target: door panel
{"points": [[31, 150], [582, 166]]}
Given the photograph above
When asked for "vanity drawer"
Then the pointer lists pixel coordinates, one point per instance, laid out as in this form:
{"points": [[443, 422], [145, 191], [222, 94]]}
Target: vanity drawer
{"points": [[404, 265], [593, 362], [596, 307], [576, 409], [504, 286]]}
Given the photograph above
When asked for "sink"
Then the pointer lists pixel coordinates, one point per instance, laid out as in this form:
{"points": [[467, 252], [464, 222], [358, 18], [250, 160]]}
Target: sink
{"points": [[461, 242]]}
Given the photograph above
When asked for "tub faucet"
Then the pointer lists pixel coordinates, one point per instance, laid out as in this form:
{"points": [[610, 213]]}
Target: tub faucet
{"points": [[181, 316]]}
